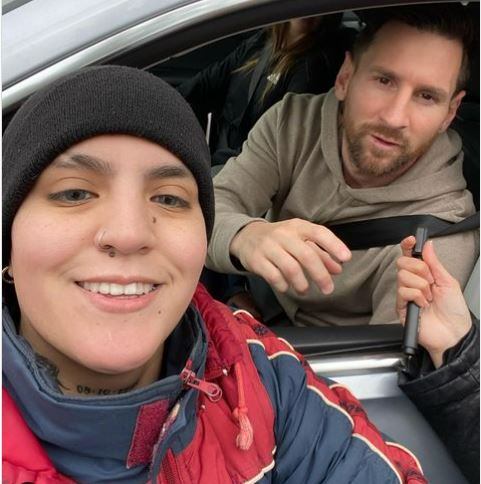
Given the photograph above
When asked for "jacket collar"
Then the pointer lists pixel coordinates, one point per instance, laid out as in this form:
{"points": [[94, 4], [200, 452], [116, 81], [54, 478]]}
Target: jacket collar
{"points": [[119, 446]]}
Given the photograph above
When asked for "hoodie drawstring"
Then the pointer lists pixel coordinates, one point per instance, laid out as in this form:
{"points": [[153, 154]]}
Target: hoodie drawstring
{"points": [[246, 435]]}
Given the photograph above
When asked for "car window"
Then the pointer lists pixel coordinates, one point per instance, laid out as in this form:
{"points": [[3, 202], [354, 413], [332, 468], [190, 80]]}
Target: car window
{"points": [[181, 67]]}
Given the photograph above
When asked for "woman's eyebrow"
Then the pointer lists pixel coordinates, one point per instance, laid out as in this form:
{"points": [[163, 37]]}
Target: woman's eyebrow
{"points": [[83, 161], [91, 163], [168, 171]]}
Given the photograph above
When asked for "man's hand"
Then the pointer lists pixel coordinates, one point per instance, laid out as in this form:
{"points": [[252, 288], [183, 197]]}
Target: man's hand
{"points": [[445, 317], [284, 252]]}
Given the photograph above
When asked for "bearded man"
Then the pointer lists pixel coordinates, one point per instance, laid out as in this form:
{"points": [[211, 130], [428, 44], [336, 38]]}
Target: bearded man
{"points": [[376, 145]]}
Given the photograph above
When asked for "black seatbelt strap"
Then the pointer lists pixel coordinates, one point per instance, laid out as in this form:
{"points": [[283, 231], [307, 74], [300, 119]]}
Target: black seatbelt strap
{"points": [[260, 68], [379, 232], [469, 223]]}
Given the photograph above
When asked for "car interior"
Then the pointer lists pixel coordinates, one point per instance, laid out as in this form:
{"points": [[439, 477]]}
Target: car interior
{"points": [[402, 422], [358, 234], [391, 411]]}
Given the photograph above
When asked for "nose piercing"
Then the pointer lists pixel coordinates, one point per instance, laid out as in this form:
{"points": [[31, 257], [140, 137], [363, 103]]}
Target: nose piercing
{"points": [[104, 247]]}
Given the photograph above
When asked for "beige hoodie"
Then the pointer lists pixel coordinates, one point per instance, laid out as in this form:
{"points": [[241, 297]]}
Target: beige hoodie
{"points": [[290, 167]]}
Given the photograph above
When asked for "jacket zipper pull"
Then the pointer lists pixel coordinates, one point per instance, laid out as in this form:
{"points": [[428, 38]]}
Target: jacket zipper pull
{"points": [[213, 391]]}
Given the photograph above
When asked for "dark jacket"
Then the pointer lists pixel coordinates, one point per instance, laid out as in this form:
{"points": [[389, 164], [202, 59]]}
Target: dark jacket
{"points": [[255, 412], [235, 98], [448, 397]]}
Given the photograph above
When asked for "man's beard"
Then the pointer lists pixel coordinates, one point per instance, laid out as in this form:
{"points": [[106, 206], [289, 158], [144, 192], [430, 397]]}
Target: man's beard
{"points": [[377, 162]]}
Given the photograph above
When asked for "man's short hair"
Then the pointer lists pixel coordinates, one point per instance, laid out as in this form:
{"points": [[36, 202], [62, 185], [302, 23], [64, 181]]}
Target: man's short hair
{"points": [[450, 21]]}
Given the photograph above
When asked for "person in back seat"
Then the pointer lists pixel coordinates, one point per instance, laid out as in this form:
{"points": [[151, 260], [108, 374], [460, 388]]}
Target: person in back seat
{"points": [[377, 145], [302, 55], [443, 380]]}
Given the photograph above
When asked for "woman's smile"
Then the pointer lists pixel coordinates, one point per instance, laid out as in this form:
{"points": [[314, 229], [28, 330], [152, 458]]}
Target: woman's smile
{"points": [[109, 298], [113, 289], [119, 298]]}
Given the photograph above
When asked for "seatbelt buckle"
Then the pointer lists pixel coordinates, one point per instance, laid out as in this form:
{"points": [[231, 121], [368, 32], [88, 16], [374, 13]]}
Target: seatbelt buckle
{"points": [[421, 238], [411, 326]]}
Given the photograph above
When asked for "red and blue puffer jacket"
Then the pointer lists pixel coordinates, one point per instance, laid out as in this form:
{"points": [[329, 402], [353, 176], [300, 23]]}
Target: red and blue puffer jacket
{"points": [[259, 414]]}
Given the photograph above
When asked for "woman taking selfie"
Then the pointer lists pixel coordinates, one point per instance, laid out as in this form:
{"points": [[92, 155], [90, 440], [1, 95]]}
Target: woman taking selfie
{"points": [[116, 366]]}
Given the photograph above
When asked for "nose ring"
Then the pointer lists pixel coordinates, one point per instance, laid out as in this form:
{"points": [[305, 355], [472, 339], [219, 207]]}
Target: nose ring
{"points": [[104, 247]]}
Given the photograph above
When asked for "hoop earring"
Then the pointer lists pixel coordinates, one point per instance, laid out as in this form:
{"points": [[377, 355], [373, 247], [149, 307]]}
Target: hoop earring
{"points": [[6, 277]]}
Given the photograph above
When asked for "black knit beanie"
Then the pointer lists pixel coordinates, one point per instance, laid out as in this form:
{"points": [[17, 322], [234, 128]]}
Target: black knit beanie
{"points": [[94, 101]]}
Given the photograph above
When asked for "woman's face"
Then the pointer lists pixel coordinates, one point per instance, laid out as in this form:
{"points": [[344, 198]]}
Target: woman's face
{"points": [[108, 314]]}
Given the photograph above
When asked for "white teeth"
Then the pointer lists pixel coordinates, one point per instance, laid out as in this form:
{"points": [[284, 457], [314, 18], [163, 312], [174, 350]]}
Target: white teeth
{"points": [[112, 289], [131, 289], [104, 288], [116, 289]]}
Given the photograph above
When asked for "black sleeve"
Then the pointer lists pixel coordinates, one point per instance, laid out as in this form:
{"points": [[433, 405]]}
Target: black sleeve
{"points": [[303, 77], [448, 397], [206, 91]]}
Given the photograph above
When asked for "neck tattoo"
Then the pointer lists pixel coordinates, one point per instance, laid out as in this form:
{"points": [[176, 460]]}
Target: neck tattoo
{"points": [[85, 390], [52, 371], [88, 390]]}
